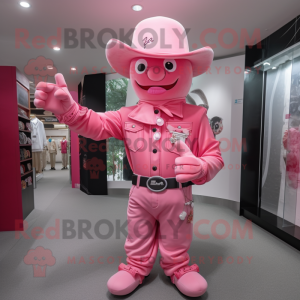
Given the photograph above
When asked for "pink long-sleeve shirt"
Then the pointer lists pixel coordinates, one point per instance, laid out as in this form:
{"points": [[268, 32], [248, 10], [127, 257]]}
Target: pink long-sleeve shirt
{"points": [[136, 126]]}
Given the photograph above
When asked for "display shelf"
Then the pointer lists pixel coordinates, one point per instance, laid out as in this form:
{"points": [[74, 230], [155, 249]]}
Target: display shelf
{"points": [[25, 160], [22, 175], [15, 95], [23, 117], [24, 130], [23, 107]]}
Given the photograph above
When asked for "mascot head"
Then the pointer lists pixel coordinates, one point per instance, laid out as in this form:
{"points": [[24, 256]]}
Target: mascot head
{"points": [[159, 63]]}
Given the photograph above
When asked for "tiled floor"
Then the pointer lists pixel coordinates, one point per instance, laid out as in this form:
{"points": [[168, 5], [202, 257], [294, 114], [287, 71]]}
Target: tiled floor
{"points": [[262, 267]]}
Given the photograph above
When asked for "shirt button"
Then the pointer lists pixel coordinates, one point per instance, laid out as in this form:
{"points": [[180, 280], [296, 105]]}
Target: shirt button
{"points": [[133, 126], [156, 136], [160, 122], [156, 111], [179, 127], [154, 129], [154, 150], [154, 168]]}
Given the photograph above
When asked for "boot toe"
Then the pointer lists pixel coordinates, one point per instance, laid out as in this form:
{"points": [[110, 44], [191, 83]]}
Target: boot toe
{"points": [[192, 284], [122, 283]]}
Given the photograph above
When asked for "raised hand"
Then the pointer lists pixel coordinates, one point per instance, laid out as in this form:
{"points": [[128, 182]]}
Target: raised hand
{"points": [[53, 97], [188, 166]]}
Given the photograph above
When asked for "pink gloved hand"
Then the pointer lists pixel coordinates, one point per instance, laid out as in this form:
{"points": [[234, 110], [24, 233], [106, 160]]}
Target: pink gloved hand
{"points": [[53, 97], [188, 166]]}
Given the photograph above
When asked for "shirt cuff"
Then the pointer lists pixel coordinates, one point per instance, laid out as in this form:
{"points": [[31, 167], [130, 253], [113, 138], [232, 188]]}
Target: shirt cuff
{"points": [[71, 115], [203, 177]]}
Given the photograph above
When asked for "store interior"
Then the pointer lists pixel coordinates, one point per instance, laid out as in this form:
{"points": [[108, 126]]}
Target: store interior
{"points": [[65, 195]]}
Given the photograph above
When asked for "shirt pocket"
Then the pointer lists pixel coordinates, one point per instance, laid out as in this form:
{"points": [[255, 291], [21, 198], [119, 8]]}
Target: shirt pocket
{"points": [[181, 127], [134, 136]]}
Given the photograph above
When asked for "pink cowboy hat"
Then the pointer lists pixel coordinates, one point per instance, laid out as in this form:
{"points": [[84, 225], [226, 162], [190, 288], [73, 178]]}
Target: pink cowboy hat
{"points": [[157, 37]]}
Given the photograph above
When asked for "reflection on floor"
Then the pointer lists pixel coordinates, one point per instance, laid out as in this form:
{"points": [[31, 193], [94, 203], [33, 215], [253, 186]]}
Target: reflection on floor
{"points": [[78, 265]]}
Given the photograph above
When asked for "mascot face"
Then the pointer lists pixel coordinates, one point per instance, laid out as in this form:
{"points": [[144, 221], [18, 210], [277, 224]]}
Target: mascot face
{"points": [[159, 79]]}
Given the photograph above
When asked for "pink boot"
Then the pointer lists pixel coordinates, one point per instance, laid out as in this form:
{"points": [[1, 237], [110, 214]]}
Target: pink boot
{"points": [[125, 281], [189, 281]]}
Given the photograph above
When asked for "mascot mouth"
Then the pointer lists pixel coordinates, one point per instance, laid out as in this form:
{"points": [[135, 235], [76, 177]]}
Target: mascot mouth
{"points": [[157, 89]]}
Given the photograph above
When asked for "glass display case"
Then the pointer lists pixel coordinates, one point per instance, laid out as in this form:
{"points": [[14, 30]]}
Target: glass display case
{"points": [[281, 139], [270, 182]]}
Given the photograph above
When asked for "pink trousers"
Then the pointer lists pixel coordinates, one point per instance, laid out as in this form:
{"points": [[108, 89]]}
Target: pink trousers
{"points": [[153, 221]]}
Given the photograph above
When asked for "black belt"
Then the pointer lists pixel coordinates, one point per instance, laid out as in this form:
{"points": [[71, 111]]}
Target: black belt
{"points": [[158, 184]]}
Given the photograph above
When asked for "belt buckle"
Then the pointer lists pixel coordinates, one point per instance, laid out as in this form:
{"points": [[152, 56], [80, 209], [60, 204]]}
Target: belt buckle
{"points": [[156, 184]]}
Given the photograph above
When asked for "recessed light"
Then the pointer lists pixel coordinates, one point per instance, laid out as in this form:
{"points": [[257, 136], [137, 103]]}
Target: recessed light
{"points": [[266, 64], [56, 48], [25, 4], [74, 69], [137, 7]]}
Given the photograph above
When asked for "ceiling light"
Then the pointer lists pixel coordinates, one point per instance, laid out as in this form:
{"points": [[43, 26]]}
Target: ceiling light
{"points": [[50, 67], [56, 48], [266, 64], [73, 69], [25, 4], [137, 7], [274, 68]]}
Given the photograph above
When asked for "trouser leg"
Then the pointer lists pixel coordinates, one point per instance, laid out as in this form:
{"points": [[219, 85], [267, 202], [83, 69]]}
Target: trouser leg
{"points": [[34, 160], [64, 160], [175, 234], [44, 159], [141, 244], [37, 161], [52, 160]]}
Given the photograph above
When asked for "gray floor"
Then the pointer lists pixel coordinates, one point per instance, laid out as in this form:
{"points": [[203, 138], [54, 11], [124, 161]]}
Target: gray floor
{"points": [[273, 273]]}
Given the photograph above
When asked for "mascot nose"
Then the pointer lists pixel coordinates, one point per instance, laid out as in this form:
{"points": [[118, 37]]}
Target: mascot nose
{"points": [[156, 73]]}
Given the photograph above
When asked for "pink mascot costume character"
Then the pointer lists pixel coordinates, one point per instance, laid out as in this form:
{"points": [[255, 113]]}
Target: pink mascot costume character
{"points": [[169, 145]]}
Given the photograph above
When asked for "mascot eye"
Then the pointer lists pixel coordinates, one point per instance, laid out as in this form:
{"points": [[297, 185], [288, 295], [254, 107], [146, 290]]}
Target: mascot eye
{"points": [[45, 68], [36, 68], [170, 65], [140, 66]]}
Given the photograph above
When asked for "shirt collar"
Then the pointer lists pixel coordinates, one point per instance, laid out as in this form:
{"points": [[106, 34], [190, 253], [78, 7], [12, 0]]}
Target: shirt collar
{"points": [[144, 112]]}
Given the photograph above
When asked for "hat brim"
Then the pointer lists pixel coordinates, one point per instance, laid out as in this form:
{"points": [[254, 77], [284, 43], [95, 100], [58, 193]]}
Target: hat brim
{"points": [[119, 56]]}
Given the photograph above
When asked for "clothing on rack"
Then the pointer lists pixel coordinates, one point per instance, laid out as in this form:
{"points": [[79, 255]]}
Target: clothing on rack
{"points": [[52, 149], [38, 135], [52, 146], [63, 146]]}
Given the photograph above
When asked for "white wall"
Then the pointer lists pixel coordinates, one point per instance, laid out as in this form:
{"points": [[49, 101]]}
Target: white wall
{"points": [[222, 86]]}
